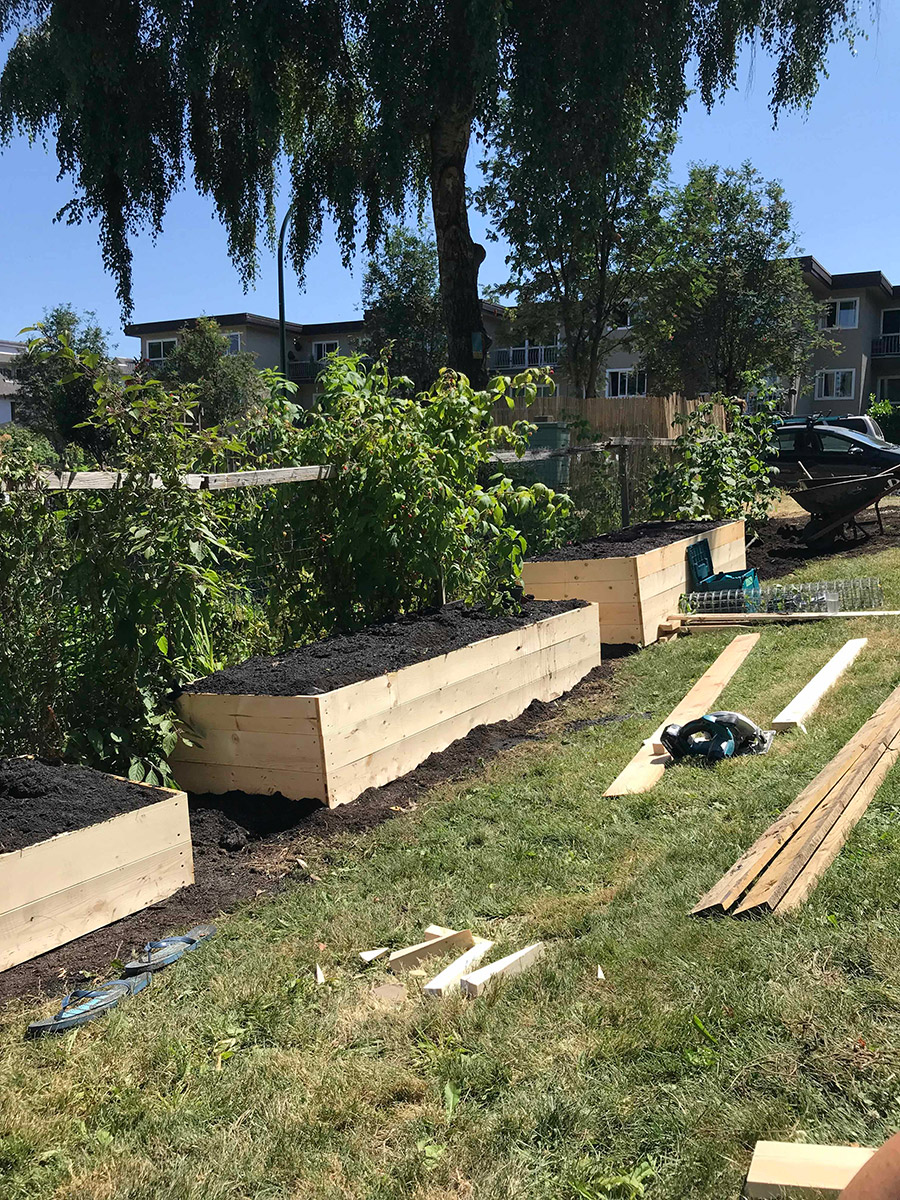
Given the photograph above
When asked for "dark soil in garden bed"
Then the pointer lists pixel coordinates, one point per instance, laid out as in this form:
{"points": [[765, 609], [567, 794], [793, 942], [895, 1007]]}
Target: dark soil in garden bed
{"points": [[376, 650], [623, 543], [246, 846], [779, 551], [40, 798]]}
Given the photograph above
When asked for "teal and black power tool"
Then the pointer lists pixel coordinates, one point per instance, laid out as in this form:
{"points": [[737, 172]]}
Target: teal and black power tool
{"points": [[715, 736]]}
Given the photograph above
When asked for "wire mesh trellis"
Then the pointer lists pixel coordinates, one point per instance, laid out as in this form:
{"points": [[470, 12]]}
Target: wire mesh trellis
{"points": [[835, 595]]}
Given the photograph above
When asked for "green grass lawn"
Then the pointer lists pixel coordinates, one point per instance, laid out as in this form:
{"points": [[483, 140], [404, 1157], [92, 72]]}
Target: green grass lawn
{"points": [[237, 1077]]}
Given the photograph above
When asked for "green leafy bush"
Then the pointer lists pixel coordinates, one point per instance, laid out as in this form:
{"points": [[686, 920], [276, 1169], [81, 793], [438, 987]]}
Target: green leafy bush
{"points": [[888, 417], [111, 599], [719, 473]]}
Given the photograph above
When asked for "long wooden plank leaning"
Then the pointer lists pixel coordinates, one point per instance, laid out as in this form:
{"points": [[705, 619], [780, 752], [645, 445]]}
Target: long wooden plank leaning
{"points": [[333, 746], [648, 766], [805, 703], [69, 885], [782, 1169], [768, 876]]}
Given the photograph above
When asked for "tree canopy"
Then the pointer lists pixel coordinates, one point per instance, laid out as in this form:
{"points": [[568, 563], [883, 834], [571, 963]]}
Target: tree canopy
{"points": [[578, 220], [725, 296], [226, 384], [367, 101], [402, 302]]}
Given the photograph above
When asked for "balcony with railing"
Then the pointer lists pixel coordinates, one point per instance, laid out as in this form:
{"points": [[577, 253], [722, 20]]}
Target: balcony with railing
{"points": [[304, 372], [887, 344], [505, 358]]}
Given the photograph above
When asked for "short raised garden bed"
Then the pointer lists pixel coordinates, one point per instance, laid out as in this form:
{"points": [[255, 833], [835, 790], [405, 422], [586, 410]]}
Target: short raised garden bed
{"points": [[635, 575], [329, 720], [80, 849]]}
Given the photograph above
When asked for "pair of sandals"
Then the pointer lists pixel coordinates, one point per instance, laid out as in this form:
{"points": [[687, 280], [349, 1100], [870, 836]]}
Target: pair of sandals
{"points": [[82, 1006]]}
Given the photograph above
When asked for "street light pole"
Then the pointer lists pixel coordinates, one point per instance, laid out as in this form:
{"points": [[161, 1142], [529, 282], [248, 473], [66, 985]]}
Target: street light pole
{"points": [[282, 337]]}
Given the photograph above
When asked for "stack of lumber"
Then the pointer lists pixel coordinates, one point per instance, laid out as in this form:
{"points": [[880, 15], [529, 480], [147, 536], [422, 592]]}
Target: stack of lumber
{"points": [[783, 865]]}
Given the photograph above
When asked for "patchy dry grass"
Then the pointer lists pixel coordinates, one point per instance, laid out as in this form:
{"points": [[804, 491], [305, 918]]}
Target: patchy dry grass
{"points": [[235, 1076]]}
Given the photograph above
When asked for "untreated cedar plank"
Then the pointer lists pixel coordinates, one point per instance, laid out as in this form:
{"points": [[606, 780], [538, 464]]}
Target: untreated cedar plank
{"points": [[343, 707], [727, 890], [346, 783], [280, 751], [448, 980], [59, 918], [476, 982], [782, 1169], [777, 618], [617, 569], [665, 556], [207, 708], [68, 859], [614, 635], [217, 778], [411, 956], [837, 835], [647, 766], [807, 700], [389, 727], [613, 595]]}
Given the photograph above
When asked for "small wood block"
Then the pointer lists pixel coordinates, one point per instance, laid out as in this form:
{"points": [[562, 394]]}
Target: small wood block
{"points": [[449, 978], [411, 956], [320, 974], [782, 1169], [514, 964], [436, 931], [370, 955]]}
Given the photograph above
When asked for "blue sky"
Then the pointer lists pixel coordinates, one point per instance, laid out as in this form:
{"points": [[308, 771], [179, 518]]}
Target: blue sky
{"points": [[838, 164]]}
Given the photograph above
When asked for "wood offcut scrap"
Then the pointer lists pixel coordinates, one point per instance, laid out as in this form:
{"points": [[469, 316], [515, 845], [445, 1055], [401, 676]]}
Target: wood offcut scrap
{"points": [[782, 1169], [805, 703], [648, 766], [785, 863]]}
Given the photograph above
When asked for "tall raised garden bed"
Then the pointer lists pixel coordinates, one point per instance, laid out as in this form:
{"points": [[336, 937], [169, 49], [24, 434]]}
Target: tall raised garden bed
{"points": [[256, 732], [121, 847], [634, 583]]}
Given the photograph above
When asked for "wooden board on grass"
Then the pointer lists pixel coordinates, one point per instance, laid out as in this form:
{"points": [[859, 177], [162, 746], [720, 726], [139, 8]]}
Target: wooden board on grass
{"points": [[448, 980], [476, 982], [807, 700], [783, 1170], [648, 766], [411, 956]]}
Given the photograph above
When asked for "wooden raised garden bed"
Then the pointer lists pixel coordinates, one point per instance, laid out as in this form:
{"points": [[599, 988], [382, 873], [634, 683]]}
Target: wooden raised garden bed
{"points": [[350, 736], [56, 889], [634, 591]]}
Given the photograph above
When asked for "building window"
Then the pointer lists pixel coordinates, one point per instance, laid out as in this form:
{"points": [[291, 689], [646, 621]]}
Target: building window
{"points": [[629, 382], [890, 321], [889, 389], [158, 352], [323, 349], [841, 314], [835, 385], [234, 343], [621, 316]]}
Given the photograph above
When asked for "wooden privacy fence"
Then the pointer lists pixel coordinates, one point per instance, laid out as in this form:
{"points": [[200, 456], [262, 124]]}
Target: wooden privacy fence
{"points": [[617, 416]]}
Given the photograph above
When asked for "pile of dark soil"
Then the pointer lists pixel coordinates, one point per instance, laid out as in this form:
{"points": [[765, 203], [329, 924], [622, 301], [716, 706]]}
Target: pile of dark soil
{"points": [[778, 550], [40, 798], [245, 847], [623, 543], [376, 650]]}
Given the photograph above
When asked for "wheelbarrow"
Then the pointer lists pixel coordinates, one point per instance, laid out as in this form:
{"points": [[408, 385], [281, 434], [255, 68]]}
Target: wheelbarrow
{"points": [[834, 504]]}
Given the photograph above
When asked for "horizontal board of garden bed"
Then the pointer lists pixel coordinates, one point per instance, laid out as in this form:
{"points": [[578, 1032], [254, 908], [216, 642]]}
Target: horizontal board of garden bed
{"points": [[379, 702], [635, 576], [82, 849], [350, 658]]}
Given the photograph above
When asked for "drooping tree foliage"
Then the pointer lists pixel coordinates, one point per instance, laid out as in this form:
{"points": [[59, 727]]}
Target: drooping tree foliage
{"points": [[369, 100], [724, 297], [402, 303]]}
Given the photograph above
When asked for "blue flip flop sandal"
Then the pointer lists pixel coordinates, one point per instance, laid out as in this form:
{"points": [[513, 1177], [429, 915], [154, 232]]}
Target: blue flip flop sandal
{"points": [[168, 950], [82, 1006]]}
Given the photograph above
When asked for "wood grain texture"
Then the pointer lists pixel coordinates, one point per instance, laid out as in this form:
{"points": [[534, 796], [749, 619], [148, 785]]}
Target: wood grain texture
{"points": [[807, 700], [779, 1170], [70, 885], [649, 764], [476, 982]]}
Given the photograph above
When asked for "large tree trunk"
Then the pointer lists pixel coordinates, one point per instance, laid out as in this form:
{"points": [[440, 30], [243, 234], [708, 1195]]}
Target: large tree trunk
{"points": [[459, 257]]}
